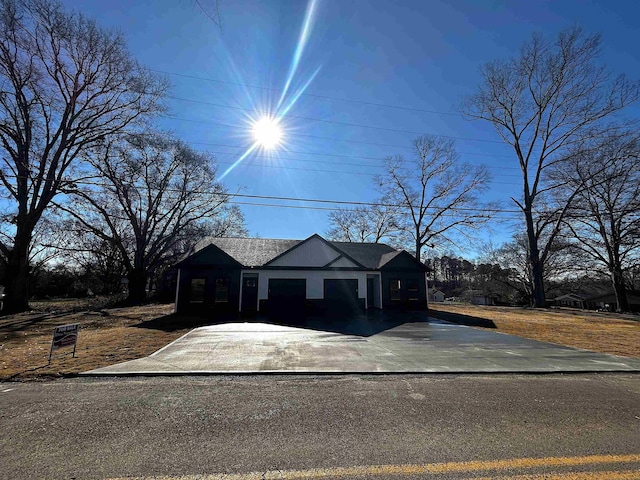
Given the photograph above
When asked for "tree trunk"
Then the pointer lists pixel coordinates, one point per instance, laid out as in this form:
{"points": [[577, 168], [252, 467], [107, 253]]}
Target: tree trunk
{"points": [[17, 274], [621, 292], [137, 286], [537, 282]]}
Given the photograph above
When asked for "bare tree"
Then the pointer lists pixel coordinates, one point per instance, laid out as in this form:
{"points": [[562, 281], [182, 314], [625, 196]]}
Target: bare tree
{"points": [[372, 223], [65, 84], [155, 193], [513, 256], [541, 103], [437, 195], [604, 222]]}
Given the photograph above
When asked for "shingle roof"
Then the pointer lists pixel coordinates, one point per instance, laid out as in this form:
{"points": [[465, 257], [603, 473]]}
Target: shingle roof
{"points": [[255, 252], [250, 252], [367, 254]]}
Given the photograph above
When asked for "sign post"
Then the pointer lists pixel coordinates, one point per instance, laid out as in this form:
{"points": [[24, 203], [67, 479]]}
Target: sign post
{"points": [[64, 336]]}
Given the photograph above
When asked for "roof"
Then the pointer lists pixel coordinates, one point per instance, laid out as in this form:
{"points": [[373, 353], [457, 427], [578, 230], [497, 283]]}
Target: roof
{"points": [[633, 297], [571, 296], [255, 252], [250, 252], [370, 255]]}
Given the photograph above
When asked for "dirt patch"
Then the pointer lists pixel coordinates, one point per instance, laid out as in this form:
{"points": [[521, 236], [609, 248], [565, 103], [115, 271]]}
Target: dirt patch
{"points": [[106, 337], [598, 332]]}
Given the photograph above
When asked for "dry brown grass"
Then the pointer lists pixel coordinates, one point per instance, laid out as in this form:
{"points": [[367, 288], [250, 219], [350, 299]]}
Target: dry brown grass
{"points": [[106, 337], [599, 332], [116, 335]]}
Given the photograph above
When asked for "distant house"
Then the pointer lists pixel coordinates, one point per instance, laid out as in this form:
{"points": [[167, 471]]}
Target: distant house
{"points": [[248, 275], [436, 295], [572, 300], [477, 297], [609, 299]]}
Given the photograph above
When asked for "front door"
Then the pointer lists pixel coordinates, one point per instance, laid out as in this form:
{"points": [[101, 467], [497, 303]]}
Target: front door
{"points": [[249, 293], [370, 293]]}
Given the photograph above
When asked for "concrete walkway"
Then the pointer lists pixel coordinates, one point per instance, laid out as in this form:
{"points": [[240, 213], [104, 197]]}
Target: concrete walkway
{"points": [[429, 346]]}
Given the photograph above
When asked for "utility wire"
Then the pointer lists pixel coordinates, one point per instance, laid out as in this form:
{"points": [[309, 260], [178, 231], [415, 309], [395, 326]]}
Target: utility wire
{"points": [[295, 134], [335, 122], [311, 95]]}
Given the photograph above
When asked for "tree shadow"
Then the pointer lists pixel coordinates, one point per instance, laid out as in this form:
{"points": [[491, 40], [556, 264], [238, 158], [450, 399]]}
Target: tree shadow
{"points": [[21, 323], [363, 324], [461, 319]]}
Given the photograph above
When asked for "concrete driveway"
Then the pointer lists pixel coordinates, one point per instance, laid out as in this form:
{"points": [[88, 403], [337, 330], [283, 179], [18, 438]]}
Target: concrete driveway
{"points": [[398, 343]]}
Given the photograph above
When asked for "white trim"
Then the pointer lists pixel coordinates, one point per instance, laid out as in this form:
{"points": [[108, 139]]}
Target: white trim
{"points": [[175, 305]]}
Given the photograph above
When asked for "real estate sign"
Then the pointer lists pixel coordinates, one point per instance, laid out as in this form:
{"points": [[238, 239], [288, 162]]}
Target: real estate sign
{"points": [[64, 336]]}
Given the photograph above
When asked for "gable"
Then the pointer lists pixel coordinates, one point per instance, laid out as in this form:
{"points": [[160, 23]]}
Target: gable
{"points": [[402, 261], [313, 252], [210, 256], [342, 262]]}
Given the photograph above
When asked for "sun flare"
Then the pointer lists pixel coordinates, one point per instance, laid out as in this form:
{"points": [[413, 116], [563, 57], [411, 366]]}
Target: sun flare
{"points": [[267, 133]]}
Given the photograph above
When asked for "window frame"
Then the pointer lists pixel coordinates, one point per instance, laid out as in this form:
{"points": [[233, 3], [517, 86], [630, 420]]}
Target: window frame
{"points": [[217, 290], [201, 290], [395, 294]]}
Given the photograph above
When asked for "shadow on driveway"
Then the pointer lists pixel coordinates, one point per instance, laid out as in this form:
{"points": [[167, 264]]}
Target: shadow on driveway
{"points": [[362, 324], [461, 319]]}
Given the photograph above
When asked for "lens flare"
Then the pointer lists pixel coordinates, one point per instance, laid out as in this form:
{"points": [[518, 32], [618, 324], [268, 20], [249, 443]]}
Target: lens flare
{"points": [[266, 130], [267, 133]]}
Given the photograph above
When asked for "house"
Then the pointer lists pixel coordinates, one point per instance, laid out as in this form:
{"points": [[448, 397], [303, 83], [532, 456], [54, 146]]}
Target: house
{"points": [[228, 275], [478, 297], [609, 300], [435, 295], [573, 300]]}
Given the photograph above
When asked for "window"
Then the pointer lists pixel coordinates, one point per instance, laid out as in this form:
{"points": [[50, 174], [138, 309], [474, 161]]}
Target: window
{"points": [[197, 290], [395, 285], [412, 288], [222, 290]]}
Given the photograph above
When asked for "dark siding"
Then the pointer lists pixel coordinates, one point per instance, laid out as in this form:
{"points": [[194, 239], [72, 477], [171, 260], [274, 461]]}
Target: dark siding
{"points": [[415, 300], [209, 306], [408, 271]]}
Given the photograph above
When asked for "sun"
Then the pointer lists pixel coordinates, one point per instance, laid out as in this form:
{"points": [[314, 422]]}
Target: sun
{"points": [[267, 133]]}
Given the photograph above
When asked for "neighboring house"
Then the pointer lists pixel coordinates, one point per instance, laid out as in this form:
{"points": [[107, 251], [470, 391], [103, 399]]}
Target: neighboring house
{"points": [[572, 300], [609, 300], [436, 295], [477, 297], [258, 274]]}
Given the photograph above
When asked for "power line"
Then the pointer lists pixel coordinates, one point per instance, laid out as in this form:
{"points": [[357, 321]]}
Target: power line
{"points": [[85, 181], [335, 122], [340, 155], [325, 97], [289, 159], [297, 168], [328, 209], [286, 167], [239, 127]]}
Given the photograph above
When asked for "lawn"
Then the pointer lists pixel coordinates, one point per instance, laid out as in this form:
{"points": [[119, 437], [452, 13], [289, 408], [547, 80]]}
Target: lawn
{"points": [[115, 335], [106, 337], [599, 332]]}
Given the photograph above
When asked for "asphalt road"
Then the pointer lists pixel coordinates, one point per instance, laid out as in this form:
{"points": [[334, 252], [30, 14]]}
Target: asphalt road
{"points": [[392, 426]]}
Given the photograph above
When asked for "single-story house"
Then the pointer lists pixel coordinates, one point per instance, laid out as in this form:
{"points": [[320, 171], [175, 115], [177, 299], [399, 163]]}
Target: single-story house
{"points": [[573, 300], [477, 297], [609, 300], [436, 295], [227, 275]]}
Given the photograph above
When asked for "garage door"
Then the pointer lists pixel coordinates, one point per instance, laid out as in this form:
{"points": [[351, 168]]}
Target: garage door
{"points": [[287, 294], [341, 295]]}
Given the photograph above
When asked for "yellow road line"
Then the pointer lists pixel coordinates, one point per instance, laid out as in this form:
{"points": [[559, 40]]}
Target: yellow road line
{"points": [[439, 468], [611, 475]]}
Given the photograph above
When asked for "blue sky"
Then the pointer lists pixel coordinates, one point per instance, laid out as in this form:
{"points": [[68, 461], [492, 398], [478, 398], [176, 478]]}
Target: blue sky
{"points": [[421, 56]]}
